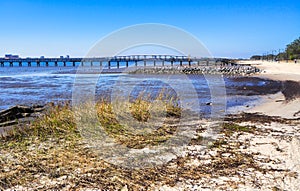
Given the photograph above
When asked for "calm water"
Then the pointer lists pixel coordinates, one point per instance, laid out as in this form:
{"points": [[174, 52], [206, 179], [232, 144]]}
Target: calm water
{"points": [[39, 85]]}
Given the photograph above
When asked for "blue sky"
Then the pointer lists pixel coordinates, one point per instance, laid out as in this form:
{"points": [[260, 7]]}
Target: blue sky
{"points": [[228, 28]]}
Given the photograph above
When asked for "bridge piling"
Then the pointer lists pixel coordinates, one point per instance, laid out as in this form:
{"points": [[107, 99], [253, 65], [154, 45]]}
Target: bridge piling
{"points": [[127, 61]]}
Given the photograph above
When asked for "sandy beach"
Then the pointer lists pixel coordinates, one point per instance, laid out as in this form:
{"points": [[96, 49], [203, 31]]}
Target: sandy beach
{"points": [[287, 136], [277, 70], [275, 144], [275, 105], [255, 149]]}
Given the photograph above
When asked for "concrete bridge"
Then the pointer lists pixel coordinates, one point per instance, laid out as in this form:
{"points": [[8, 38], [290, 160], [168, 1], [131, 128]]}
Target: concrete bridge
{"points": [[147, 60]]}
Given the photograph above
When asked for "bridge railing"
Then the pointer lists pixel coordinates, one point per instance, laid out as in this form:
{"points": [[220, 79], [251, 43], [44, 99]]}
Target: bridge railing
{"points": [[110, 61]]}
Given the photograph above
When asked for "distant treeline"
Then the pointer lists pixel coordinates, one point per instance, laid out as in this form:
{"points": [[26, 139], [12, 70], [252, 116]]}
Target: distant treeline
{"points": [[292, 51]]}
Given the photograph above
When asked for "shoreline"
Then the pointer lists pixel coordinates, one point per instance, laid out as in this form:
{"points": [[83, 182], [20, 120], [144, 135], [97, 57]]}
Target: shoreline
{"points": [[254, 150], [277, 105], [251, 151]]}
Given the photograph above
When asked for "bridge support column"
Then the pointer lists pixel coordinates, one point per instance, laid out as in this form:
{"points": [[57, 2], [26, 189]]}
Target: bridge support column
{"points": [[135, 62], [180, 63], [2, 64], [47, 64], [91, 63], [145, 62], [55, 64], [38, 64], [29, 64], [100, 64], [118, 64], [74, 64], [81, 63], [109, 64], [11, 64], [198, 63], [163, 63], [65, 64], [20, 64], [190, 64], [172, 63], [154, 63], [126, 64]]}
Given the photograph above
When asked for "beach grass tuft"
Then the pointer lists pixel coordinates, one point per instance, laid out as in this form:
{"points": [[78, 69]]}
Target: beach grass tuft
{"points": [[136, 132]]}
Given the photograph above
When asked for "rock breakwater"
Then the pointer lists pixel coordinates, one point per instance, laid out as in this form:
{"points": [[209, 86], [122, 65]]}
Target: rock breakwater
{"points": [[234, 70]]}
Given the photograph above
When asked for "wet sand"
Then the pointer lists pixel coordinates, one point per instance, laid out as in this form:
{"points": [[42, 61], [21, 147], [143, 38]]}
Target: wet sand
{"points": [[287, 102]]}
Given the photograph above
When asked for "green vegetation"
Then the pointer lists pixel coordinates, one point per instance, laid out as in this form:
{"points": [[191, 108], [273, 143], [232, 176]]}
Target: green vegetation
{"points": [[230, 128], [292, 51]]}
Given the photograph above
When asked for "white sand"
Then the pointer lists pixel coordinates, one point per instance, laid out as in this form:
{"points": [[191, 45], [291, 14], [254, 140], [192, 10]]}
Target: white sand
{"points": [[277, 70], [274, 105]]}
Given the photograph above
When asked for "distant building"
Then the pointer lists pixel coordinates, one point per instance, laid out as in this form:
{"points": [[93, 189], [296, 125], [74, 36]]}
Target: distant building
{"points": [[68, 56], [11, 56], [61, 57], [42, 57]]}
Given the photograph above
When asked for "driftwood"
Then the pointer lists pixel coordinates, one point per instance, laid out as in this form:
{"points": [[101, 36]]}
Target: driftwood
{"points": [[15, 114]]}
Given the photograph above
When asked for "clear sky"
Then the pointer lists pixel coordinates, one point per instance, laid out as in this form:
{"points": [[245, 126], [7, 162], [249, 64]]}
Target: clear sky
{"points": [[228, 28]]}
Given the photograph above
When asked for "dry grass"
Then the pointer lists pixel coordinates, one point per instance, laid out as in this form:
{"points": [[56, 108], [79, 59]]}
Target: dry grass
{"points": [[132, 135], [51, 154]]}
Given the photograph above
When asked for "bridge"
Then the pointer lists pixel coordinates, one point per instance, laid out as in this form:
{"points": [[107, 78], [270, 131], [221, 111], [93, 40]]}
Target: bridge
{"points": [[116, 61]]}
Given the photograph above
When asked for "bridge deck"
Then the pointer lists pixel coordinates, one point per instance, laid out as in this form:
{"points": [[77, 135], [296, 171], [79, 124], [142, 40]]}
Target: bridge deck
{"points": [[147, 59]]}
